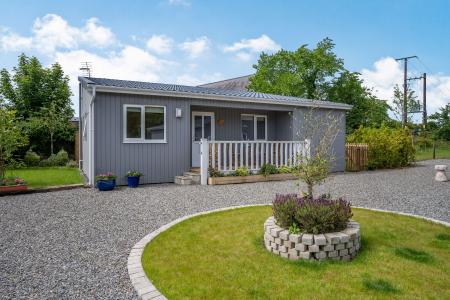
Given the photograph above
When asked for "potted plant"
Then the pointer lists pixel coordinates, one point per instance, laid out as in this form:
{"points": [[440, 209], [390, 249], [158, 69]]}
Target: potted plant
{"points": [[11, 185], [106, 182], [133, 178]]}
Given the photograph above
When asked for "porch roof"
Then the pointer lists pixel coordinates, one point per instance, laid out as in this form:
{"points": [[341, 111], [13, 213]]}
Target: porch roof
{"points": [[175, 90]]}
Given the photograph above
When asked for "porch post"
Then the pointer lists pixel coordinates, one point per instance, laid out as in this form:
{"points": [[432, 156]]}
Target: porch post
{"points": [[204, 161]]}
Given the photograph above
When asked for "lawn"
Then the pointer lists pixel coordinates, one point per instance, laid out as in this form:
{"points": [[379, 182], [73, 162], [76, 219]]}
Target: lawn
{"points": [[442, 151], [221, 256], [43, 177]]}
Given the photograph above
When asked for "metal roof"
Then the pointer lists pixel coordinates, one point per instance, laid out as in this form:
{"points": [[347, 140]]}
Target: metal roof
{"points": [[239, 83], [220, 94]]}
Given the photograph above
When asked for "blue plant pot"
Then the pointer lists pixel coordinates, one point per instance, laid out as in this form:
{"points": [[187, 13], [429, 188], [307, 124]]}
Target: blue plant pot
{"points": [[133, 181], [106, 185]]}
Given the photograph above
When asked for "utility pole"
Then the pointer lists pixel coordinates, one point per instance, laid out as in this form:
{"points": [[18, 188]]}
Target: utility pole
{"points": [[424, 101], [424, 109], [405, 88]]}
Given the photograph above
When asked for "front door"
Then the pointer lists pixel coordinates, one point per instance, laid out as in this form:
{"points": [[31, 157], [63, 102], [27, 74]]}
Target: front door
{"points": [[202, 128]]}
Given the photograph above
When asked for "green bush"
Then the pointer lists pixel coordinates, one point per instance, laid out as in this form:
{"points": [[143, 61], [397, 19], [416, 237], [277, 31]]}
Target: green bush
{"points": [[242, 171], [388, 147], [267, 169], [213, 172], [59, 159], [31, 158], [284, 170], [72, 164]]}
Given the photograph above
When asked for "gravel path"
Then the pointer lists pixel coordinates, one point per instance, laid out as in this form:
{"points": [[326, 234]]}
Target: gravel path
{"points": [[74, 244]]}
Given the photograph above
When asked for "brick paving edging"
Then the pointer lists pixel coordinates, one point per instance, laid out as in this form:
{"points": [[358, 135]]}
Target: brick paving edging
{"points": [[144, 287]]}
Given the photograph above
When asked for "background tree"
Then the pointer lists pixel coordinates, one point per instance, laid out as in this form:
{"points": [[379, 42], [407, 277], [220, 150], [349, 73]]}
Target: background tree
{"points": [[11, 137], [319, 74], [31, 90], [439, 123], [413, 103]]}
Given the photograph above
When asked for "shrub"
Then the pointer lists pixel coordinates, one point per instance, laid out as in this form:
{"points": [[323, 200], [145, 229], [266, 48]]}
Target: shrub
{"points": [[388, 147], [284, 170], [242, 171], [59, 159], [284, 208], [31, 158], [72, 164], [62, 158], [267, 169], [309, 215], [213, 172]]}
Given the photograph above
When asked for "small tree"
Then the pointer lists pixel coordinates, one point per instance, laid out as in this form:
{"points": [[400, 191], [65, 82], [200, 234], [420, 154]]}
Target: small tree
{"points": [[11, 138], [413, 103], [319, 129]]}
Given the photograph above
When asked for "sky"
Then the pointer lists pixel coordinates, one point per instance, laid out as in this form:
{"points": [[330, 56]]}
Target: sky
{"points": [[192, 42]]}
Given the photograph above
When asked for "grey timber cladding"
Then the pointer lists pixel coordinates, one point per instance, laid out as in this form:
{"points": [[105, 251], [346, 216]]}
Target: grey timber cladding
{"points": [[161, 162]]}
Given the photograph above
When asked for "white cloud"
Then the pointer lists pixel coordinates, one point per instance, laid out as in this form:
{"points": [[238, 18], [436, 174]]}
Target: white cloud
{"points": [[180, 2], [246, 49], [387, 72], [196, 47], [263, 43], [10, 41], [52, 32], [160, 44]]}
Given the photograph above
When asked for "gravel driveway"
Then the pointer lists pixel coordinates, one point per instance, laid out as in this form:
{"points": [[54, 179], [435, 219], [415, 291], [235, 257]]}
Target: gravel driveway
{"points": [[74, 244]]}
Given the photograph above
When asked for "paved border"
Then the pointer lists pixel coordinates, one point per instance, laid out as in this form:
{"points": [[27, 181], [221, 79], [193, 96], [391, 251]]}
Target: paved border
{"points": [[144, 287]]}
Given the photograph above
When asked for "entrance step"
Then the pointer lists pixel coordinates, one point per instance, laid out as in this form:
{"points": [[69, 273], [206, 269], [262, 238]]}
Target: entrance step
{"points": [[183, 180], [195, 170], [195, 177]]}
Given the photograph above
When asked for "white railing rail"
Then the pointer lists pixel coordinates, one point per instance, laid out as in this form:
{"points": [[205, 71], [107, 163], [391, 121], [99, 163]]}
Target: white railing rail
{"points": [[227, 156]]}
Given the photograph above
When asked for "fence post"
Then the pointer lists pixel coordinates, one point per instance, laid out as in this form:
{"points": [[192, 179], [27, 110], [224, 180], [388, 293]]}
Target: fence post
{"points": [[204, 161]]}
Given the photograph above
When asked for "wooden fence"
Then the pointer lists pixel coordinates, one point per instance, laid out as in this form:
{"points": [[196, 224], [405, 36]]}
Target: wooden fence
{"points": [[356, 157]]}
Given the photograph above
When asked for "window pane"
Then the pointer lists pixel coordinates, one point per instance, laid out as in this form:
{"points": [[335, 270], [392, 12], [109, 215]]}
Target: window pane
{"points": [[207, 128], [133, 122], [197, 128], [154, 123], [248, 128], [260, 128]]}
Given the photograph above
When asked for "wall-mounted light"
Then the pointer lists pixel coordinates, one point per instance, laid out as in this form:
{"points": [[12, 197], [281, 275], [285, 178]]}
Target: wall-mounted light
{"points": [[178, 112]]}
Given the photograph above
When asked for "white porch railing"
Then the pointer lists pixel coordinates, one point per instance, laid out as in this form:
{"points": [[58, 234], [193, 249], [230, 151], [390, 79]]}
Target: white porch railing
{"points": [[227, 156]]}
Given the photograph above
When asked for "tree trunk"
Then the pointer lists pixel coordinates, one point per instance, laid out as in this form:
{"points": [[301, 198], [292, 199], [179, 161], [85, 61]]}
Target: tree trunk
{"points": [[310, 191], [51, 143]]}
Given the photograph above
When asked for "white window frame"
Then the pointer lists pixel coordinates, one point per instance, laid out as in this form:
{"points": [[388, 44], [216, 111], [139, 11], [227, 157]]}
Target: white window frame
{"points": [[142, 139], [255, 129]]}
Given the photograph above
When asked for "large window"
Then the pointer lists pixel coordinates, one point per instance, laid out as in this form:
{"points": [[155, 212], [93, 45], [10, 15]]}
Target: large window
{"points": [[254, 127], [144, 124]]}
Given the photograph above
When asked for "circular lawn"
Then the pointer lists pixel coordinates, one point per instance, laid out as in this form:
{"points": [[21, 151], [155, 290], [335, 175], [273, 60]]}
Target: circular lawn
{"points": [[222, 255]]}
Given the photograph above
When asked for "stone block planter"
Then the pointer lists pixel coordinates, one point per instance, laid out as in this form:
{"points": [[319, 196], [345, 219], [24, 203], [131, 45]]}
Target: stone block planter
{"points": [[343, 245], [250, 178]]}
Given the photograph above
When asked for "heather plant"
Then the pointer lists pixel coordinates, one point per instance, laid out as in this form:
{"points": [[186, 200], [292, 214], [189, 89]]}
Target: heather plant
{"points": [[284, 208], [242, 171], [308, 215]]}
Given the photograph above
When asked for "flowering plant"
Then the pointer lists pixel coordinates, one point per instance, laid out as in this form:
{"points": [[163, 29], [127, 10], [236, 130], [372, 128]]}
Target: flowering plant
{"points": [[133, 173], [12, 181], [105, 176]]}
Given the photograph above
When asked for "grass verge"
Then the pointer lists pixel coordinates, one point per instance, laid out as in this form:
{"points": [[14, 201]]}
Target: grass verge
{"points": [[442, 151], [221, 256], [44, 177]]}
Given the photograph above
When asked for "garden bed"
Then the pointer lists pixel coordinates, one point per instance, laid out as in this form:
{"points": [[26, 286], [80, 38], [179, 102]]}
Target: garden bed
{"points": [[249, 178], [342, 245], [224, 257]]}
